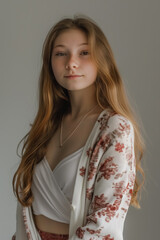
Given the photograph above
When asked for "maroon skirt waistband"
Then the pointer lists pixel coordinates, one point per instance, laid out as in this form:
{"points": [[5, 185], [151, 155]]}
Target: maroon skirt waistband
{"points": [[52, 236]]}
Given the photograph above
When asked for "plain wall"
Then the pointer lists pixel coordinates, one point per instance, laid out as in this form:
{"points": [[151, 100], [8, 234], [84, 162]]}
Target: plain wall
{"points": [[132, 28]]}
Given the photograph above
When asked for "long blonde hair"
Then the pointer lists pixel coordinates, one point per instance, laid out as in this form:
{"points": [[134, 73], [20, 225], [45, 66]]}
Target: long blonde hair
{"points": [[54, 102]]}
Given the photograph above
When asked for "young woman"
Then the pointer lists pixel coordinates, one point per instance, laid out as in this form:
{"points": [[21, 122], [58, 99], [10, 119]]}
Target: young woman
{"points": [[77, 176]]}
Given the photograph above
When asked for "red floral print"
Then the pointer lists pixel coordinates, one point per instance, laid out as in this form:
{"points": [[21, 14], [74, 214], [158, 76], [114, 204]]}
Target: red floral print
{"points": [[93, 162], [104, 141], [120, 175], [82, 171], [119, 147], [107, 237], [125, 127], [99, 202], [89, 192], [103, 121], [29, 236], [80, 232], [92, 231], [108, 168], [91, 171], [110, 211], [91, 218], [119, 187]]}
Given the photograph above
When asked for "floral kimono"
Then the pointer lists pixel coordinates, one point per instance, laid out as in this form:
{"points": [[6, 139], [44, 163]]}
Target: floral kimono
{"points": [[103, 187]]}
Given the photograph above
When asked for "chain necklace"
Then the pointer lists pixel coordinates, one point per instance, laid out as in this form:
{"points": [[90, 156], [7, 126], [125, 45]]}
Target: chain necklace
{"points": [[82, 119]]}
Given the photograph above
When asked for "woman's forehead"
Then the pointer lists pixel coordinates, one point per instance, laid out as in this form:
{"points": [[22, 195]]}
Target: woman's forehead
{"points": [[72, 36]]}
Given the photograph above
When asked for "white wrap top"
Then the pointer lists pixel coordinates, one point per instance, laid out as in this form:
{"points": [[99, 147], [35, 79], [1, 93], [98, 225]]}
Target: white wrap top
{"points": [[53, 190]]}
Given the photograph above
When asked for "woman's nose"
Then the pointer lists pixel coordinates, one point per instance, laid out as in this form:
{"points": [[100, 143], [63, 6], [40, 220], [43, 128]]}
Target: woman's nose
{"points": [[72, 62]]}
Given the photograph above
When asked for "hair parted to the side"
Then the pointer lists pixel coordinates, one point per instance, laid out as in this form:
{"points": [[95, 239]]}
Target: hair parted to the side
{"points": [[54, 102]]}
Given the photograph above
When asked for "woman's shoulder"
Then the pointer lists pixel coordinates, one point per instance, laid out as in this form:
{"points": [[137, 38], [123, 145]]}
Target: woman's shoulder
{"points": [[110, 120]]}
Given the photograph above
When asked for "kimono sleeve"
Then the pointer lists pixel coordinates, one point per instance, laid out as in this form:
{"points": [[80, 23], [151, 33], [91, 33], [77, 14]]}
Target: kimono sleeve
{"points": [[20, 228], [113, 185]]}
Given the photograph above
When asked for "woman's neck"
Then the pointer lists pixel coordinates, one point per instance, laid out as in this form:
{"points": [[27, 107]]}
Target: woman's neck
{"points": [[82, 101]]}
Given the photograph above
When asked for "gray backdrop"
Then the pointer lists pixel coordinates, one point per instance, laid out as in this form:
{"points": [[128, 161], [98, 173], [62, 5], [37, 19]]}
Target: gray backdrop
{"points": [[132, 28]]}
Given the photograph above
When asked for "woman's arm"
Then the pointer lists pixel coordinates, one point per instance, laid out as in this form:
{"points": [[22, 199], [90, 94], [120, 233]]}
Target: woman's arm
{"points": [[113, 184]]}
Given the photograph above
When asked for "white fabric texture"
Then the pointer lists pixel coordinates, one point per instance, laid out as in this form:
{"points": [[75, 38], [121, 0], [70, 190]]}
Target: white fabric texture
{"points": [[53, 190]]}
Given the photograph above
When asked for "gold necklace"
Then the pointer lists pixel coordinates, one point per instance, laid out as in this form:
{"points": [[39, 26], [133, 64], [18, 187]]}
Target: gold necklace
{"points": [[82, 119]]}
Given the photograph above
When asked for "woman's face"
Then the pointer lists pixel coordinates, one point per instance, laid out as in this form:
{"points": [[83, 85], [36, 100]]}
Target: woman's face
{"points": [[72, 65]]}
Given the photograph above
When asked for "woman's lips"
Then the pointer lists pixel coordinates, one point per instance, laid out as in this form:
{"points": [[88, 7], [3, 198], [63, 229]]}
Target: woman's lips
{"points": [[73, 76]]}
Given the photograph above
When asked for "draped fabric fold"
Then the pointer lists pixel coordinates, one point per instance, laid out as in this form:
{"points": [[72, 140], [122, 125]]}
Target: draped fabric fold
{"points": [[49, 199]]}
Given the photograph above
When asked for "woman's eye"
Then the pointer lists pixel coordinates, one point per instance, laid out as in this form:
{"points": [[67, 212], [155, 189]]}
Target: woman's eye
{"points": [[64, 54], [84, 53], [60, 54]]}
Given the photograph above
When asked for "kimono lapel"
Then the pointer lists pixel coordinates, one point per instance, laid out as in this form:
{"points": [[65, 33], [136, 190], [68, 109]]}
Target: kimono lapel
{"points": [[30, 227], [79, 205], [25, 228]]}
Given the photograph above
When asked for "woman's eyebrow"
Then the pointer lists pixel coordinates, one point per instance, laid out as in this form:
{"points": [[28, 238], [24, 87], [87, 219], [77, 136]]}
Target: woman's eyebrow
{"points": [[61, 45]]}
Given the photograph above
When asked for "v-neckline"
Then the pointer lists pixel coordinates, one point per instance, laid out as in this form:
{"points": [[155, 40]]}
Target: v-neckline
{"points": [[101, 113], [61, 161]]}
